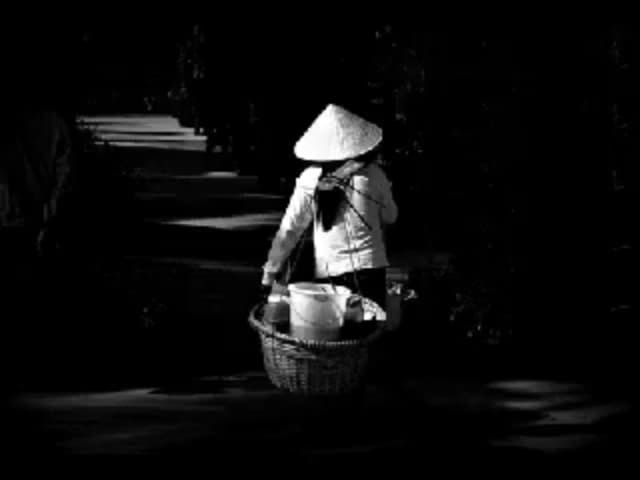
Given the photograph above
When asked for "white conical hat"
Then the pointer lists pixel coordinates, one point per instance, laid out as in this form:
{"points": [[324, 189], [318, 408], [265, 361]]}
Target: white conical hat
{"points": [[337, 134]]}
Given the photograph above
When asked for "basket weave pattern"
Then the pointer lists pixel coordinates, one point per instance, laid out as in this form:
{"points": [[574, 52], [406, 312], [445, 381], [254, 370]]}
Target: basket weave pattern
{"points": [[313, 367]]}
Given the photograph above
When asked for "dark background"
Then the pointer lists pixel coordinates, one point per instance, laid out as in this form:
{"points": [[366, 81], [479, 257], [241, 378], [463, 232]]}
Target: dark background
{"points": [[503, 153]]}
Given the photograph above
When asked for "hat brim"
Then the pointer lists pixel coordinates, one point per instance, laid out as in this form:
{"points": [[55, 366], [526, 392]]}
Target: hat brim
{"points": [[337, 134], [315, 155]]}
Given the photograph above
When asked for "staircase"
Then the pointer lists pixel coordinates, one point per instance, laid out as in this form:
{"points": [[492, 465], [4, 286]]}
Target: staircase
{"points": [[198, 241]]}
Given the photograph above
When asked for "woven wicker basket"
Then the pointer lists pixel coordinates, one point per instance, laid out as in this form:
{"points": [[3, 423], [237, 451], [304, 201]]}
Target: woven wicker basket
{"points": [[313, 367]]}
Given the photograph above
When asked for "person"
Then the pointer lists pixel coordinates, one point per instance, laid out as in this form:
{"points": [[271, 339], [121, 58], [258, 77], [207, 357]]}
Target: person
{"points": [[36, 173], [346, 199], [35, 161]]}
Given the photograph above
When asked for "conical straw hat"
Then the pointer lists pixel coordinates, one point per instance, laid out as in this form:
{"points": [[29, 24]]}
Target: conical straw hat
{"points": [[337, 134]]}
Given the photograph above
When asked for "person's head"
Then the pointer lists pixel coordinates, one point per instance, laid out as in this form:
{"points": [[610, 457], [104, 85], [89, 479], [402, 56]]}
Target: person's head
{"points": [[335, 137]]}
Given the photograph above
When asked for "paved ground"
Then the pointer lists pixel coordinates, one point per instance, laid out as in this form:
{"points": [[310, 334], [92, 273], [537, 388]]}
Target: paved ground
{"points": [[417, 420]]}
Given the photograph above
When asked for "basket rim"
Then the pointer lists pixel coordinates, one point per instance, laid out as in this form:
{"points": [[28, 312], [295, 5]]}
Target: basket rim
{"points": [[310, 344]]}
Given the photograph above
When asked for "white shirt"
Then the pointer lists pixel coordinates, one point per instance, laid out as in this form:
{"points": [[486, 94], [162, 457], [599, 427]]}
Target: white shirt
{"points": [[356, 239]]}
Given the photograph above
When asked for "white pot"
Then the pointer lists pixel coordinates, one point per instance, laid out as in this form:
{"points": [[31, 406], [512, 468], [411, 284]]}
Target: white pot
{"points": [[317, 310]]}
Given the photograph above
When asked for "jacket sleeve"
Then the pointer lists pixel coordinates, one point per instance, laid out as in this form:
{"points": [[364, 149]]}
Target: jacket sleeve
{"points": [[297, 217]]}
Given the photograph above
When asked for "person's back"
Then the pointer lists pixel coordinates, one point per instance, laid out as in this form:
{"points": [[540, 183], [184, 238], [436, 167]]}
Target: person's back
{"points": [[355, 239]]}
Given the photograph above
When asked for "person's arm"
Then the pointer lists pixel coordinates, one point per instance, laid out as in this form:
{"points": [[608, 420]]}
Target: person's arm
{"points": [[62, 159], [388, 207], [296, 219]]}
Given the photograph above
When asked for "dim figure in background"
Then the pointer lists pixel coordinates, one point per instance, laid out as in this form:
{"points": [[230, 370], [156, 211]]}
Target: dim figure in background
{"points": [[347, 199], [35, 162], [34, 174]]}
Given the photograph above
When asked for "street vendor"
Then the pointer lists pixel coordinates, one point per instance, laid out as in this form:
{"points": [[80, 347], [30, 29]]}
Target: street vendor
{"points": [[347, 198]]}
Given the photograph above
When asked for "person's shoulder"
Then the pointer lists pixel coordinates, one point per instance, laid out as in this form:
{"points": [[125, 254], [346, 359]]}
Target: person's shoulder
{"points": [[375, 169], [374, 173], [309, 177]]}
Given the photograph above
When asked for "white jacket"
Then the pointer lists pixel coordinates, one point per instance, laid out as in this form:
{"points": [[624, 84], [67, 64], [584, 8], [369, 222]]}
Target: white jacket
{"points": [[356, 239]]}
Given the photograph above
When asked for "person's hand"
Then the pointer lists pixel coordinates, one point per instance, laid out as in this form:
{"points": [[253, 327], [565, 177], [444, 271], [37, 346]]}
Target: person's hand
{"points": [[268, 278], [265, 286], [46, 243]]}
